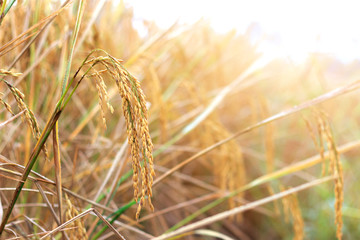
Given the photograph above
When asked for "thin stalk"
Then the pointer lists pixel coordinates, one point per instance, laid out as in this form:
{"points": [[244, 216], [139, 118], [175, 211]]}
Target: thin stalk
{"points": [[73, 42], [82, 215], [9, 6], [40, 143], [4, 10], [56, 218], [56, 143], [115, 216], [57, 165], [61, 104], [33, 157]]}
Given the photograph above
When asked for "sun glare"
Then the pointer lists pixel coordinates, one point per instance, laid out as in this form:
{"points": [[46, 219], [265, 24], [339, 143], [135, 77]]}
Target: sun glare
{"points": [[288, 29]]}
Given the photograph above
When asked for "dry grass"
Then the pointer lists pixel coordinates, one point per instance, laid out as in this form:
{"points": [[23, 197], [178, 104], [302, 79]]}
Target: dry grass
{"points": [[223, 131]]}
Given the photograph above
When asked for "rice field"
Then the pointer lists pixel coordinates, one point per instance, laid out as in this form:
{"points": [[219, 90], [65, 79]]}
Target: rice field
{"points": [[184, 133]]}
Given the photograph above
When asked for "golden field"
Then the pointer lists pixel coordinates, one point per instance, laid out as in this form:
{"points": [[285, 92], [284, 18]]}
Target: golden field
{"points": [[182, 134]]}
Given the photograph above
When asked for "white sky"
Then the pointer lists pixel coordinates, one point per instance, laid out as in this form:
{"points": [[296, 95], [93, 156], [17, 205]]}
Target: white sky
{"points": [[294, 28]]}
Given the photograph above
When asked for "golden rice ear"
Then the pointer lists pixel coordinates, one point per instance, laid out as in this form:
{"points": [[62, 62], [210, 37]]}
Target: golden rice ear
{"points": [[7, 106], [292, 209], [336, 170], [136, 118], [102, 94], [298, 222], [326, 138], [9, 73], [77, 228], [29, 116]]}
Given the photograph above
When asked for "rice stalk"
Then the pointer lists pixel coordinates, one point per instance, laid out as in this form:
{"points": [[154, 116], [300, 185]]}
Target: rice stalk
{"points": [[102, 94], [56, 143], [29, 117], [136, 119], [78, 231], [3, 10], [135, 113], [334, 164], [336, 170]]}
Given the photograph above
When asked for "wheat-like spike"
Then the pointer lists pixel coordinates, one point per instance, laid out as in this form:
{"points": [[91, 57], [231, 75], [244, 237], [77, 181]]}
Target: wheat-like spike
{"points": [[29, 115], [102, 94], [136, 119], [105, 93], [79, 230], [9, 73], [130, 89], [339, 198], [7, 106], [147, 147], [335, 168], [38, 133], [133, 141], [292, 209]]}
